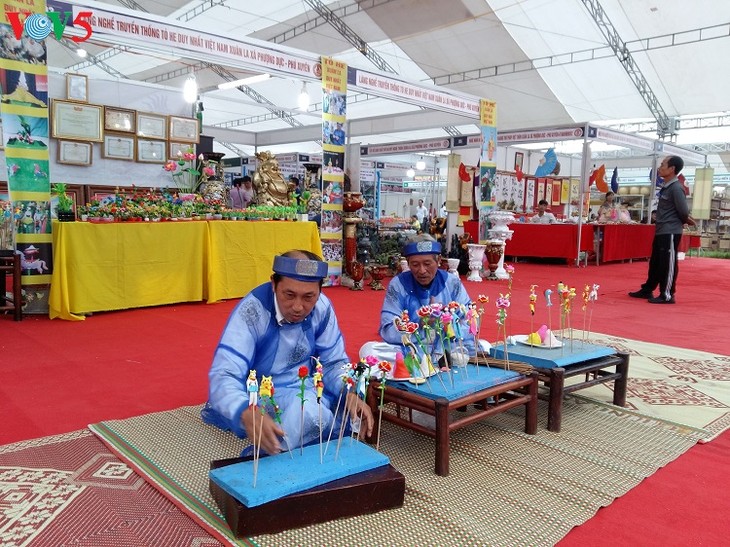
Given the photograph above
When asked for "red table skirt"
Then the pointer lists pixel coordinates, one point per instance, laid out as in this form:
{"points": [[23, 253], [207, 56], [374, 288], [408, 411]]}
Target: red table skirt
{"points": [[549, 240], [626, 241]]}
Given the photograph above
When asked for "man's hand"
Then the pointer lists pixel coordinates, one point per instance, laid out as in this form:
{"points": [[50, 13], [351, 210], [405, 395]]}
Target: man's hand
{"points": [[357, 408], [267, 431], [690, 221]]}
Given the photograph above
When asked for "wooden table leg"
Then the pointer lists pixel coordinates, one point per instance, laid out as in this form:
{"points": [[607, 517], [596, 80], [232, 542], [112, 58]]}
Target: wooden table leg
{"points": [[531, 407], [619, 386], [443, 446], [555, 402]]}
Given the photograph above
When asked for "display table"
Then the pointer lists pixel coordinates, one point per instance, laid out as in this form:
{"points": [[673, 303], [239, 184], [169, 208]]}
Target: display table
{"points": [[549, 240], [625, 241], [120, 265], [241, 253], [493, 389], [578, 358]]}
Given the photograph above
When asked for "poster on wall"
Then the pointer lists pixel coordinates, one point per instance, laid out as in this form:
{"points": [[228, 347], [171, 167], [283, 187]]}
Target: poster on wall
{"points": [[487, 163], [334, 139], [24, 116]]}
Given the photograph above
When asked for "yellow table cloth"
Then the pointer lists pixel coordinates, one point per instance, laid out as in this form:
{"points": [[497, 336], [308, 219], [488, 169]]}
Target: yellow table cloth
{"points": [[241, 253], [119, 265]]}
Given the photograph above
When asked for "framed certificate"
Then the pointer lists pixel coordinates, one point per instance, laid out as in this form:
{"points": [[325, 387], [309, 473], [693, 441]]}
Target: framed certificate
{"points": [[151, 126], [118, 147], [184, 129], [149, 151], [77, 121], [77, 88], [178, 148], [75, 153], [119, 119]]}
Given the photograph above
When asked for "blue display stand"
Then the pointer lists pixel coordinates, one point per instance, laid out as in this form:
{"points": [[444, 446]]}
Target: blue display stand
{"points": [[466, 382], [281, 475], [569, 354]]}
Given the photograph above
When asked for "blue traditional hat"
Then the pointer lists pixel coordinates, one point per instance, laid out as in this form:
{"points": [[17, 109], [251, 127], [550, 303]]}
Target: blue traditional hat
{"points": [[301, 269], [422, 248]]}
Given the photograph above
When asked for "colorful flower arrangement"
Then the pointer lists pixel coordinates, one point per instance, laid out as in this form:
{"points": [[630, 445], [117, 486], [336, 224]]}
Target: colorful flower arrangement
{"points": [[189, 172], [156, 205]]}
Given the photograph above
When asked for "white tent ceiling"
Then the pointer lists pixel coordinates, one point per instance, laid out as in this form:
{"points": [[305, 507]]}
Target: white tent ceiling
{"points": [[459, 44]]}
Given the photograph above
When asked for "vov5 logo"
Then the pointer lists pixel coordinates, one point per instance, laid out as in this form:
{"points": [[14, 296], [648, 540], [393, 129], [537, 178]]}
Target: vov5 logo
{"points": [[39, 26]]}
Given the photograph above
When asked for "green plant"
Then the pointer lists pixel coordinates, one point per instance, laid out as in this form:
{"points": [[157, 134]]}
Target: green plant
{"points": [[65, 203]]}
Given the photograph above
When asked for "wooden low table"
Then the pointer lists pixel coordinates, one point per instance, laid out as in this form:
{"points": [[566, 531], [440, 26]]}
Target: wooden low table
{"points": [[494, 390], [554, 366]]}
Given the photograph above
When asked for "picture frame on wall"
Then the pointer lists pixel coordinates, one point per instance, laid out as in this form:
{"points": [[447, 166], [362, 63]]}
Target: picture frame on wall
{"points": [[151, 126], [119, 119], [76, 121], [151, 151], [184, 130], [75, 152], [77, 88], [118, 147], [176, 149], [519, 160]]}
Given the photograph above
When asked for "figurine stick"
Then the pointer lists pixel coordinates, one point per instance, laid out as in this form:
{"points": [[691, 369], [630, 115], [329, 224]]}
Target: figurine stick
{"points": [[549, 305], [334, 418], [384, 368], [252, 387], [303, 374], [318, 384]]}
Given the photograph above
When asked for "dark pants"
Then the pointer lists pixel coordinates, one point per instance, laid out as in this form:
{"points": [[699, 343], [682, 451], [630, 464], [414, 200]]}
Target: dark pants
{"points": [[663, 268]]}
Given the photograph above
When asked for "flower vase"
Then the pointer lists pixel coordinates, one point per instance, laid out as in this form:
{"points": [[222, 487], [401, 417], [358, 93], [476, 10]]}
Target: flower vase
{"points": [[494, 252], [476, 257], [453, 266], [303, 217]]}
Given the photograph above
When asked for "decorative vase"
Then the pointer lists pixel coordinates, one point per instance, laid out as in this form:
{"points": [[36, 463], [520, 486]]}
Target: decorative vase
{"points": [[500, 221], [357, 272], [453, 265], [377, 273], [494, 252], [476, 257]]}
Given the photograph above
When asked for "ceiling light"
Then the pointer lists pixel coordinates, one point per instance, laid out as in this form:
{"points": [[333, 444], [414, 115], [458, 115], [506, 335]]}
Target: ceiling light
{"points": [[420, 165], [410, 173], [244, 81], [190, 89], [303, 98], [81, 52]]}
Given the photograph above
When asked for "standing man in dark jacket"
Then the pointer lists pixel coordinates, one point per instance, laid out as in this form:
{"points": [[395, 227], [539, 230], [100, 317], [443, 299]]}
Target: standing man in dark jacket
{"points": [[672, 213]]}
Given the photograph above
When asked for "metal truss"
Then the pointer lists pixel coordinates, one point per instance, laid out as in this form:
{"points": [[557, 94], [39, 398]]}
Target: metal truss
{"points": [[93, 60], [699, 122], [340, 12], [233, 148], [350, 35], [665, 125]]}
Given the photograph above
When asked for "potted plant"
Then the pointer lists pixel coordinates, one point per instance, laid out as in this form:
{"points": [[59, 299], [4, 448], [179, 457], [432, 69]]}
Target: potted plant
{"points": [[65, 207]]}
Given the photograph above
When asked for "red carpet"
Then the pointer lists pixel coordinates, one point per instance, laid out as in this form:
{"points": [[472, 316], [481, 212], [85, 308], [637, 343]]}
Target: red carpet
{"points": [[60, 376]]}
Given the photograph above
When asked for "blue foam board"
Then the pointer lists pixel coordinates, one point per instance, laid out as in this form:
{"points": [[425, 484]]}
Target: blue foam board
{"points": [[281, 475], [569, 354], [465, 382]]}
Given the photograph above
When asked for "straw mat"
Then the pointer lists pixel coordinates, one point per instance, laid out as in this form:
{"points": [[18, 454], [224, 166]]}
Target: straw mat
{"points": [[505, 487]]}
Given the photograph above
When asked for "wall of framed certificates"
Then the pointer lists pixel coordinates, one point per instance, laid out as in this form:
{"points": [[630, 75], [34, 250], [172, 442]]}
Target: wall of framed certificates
{"points": [[101, 140]]}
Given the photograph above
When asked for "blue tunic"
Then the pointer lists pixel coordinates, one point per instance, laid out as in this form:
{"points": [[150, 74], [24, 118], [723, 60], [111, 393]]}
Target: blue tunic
{"points": [[253, 339], [404, 293]]}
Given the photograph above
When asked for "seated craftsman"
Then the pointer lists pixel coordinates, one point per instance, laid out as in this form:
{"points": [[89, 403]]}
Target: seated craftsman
{"points": [[423, 284], [542, 216], [274, 330]]}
